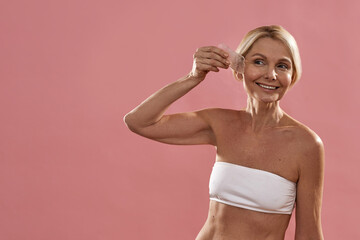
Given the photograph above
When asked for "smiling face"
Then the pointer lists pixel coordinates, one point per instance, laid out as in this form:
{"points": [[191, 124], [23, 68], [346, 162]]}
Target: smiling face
{"points": [[268, 70]]}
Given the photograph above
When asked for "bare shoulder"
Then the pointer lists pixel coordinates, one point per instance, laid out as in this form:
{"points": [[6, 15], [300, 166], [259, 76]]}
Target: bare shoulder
{"points": [[309, 144], [224, 122], [217, 111], [216, 115], [309, 140]]}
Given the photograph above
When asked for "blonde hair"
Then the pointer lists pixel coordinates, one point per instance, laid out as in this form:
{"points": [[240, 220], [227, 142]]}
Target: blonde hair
{"points": [[278, 33]]}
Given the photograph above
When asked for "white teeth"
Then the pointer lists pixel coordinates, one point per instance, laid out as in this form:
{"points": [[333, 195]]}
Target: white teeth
{"points": [[268, 87]]}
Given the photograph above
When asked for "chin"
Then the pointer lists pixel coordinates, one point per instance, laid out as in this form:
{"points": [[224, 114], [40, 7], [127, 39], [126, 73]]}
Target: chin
{"points": [[267, 98]]}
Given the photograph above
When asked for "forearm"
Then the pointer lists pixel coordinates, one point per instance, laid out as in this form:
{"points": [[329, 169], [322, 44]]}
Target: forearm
{"points": [[313, 231], [152, 109], [316, 236]]}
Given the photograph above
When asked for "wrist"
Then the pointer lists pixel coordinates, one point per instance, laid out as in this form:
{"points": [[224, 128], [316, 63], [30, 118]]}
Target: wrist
{"points": [[195, 79]]}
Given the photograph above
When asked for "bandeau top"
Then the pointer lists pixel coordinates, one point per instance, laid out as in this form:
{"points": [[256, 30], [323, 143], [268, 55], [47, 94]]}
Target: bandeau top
{"points": [[251, 188]]}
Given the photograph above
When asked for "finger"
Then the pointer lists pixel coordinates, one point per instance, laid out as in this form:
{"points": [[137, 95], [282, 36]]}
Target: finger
{"points": [[206, 67], [216, 50], [213, 62], [212, 55], [224, 61]]}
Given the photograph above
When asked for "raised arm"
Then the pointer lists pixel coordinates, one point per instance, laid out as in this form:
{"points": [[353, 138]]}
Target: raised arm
{"points": [[148, 118], [309, 191]]}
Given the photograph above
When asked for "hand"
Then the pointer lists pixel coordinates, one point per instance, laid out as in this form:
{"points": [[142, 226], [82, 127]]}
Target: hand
{"points": [[208, 59], [237, 61]]}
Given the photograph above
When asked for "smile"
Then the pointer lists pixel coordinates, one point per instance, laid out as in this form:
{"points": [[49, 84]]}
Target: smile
{"points": [[267, 87]]}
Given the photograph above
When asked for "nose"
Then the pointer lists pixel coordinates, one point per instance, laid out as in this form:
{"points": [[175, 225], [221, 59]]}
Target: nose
{"points": [[270, 73]]}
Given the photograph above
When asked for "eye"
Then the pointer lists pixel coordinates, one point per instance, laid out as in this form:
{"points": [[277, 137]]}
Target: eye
{"points": [[259, 62], [283, 66]]}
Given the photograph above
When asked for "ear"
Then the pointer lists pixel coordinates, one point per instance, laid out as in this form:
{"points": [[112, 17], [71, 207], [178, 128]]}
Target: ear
{"points": [[239, 76]]}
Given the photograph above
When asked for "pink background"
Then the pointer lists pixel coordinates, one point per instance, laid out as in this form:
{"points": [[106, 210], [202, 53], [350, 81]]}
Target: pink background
{"points": [[70, 71]]}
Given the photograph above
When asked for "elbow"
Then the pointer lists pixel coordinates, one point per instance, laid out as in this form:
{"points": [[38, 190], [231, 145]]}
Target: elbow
{"points": [[129, 122], [126, 119], [133, 124]]}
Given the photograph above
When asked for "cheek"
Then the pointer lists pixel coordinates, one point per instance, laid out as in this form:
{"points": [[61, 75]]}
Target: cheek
{"points": [[252, 73], [286, 79]]}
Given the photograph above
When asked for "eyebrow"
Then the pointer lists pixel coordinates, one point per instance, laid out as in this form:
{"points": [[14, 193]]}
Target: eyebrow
{"points": [[281, 59]]}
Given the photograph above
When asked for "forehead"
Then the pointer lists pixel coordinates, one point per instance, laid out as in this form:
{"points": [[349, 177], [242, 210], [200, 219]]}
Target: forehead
{"points": [[270, 48]]}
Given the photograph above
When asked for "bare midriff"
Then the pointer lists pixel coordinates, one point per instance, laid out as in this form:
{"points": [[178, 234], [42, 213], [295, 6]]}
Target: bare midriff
{"points": [[226, 222]]}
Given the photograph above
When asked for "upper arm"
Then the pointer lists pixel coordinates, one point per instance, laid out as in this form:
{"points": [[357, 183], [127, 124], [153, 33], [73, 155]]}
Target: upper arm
{"points": [[309, 191], [188, 128]]}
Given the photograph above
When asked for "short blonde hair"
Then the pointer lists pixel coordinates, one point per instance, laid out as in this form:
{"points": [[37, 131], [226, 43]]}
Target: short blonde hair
{"points": [[278, 33]]}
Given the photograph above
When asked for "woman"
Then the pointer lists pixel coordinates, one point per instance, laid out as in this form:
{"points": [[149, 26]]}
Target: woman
{"points": [[266, 161]]}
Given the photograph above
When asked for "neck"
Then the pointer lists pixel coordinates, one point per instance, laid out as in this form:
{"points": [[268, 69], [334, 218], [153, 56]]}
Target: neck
{"points": [[263, 115]]}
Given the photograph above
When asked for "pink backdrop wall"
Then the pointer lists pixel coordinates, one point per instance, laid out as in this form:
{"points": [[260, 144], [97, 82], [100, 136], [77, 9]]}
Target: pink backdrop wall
{"points": [[70, 70]]}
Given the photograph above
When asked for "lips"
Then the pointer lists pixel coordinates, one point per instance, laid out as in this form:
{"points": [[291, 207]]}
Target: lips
{"points": [[267, 86]]}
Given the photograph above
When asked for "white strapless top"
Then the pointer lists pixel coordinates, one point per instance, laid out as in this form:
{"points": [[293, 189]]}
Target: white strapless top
{"points": [[252, 189]]}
